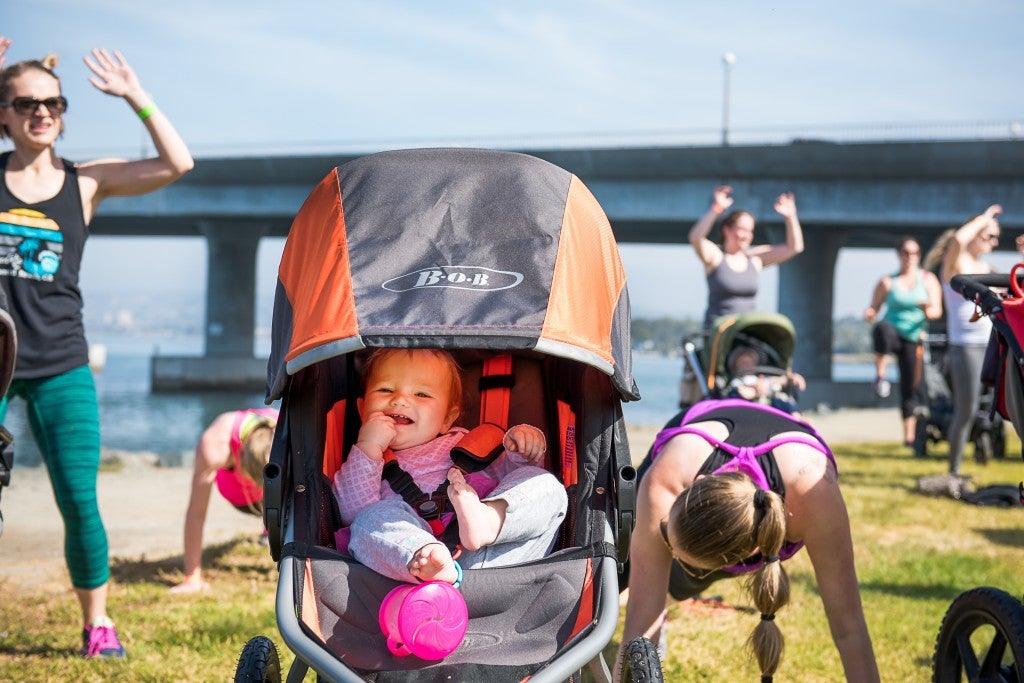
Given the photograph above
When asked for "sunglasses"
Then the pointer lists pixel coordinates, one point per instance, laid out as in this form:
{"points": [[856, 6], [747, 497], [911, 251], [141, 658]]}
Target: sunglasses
{"points": [[991, 237], [697, 573], [26, 106], [904, 252]]}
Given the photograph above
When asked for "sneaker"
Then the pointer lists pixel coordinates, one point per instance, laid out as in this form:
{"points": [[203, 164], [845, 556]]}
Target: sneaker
{"points": [[100, 640], [882, 388]]}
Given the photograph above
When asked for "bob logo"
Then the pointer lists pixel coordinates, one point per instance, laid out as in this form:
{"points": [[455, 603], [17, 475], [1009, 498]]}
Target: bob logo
{"points": [[455, 277]]}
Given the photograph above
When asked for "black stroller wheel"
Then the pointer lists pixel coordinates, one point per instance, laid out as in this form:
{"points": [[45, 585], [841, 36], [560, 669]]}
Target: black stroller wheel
{"points": [[259, 662], [643, 663], [921, 436], [983, 448], [981, 639], [998, 440]]}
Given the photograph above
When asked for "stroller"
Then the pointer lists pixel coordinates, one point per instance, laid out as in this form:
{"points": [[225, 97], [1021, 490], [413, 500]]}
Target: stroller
{"points": [[982, 633], [507, 262], [711, 357], [935, 409]]}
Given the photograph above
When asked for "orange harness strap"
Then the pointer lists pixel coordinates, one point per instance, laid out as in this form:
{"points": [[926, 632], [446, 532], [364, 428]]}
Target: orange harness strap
{"points": [[496, 382]]}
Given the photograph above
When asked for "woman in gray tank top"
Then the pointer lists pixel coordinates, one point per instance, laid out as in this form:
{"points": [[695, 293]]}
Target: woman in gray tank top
{"points": [[733, 268]]}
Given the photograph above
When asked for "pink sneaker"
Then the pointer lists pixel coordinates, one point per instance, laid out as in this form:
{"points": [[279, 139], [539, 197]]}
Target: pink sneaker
{"points": [[100, 640]]}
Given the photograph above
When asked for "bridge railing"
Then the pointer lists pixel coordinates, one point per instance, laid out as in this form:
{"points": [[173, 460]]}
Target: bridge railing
{"points": [[668, 137]]}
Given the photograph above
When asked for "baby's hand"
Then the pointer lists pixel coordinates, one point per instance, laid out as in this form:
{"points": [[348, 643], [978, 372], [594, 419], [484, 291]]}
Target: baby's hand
{"points": [[376, 434], [526, 440]]}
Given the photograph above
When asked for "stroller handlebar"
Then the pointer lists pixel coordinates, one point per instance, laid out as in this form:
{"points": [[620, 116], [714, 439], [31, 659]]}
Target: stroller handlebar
{"points": [[978, 288]]}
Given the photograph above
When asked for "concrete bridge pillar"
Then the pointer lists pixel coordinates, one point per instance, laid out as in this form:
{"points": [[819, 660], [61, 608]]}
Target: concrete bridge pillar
{"points": [[230, 287], [228, 362], [806, 290]]}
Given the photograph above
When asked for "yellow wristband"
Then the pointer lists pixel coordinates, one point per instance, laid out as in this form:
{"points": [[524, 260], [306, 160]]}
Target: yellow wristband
{"points": [[147, 111]]}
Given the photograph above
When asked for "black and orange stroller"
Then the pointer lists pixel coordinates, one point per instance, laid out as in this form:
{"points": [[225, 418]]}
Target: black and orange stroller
{"points": [[509, 263], [981, 637]]}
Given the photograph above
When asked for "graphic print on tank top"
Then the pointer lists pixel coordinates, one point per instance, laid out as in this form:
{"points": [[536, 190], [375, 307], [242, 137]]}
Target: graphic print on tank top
{"points": [[31, 245]]}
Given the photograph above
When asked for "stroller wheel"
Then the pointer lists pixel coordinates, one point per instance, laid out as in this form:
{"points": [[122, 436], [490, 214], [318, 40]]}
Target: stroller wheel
{"points": [[921, 437], [983, 448], [643, 663], [259, 662], [981, 639]]}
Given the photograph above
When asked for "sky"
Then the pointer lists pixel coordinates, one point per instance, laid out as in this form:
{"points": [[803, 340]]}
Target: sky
{"points": [[244, 77]]}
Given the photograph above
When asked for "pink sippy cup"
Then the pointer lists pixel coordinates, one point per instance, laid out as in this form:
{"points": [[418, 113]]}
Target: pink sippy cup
{"points": [[428, 619]]}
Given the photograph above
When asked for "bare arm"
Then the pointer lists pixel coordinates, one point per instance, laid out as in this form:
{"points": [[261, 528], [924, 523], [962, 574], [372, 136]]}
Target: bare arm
{"points": [[933, 304], [707, 251], [952, 261], [878, 298], [212, 453], [774, 254], [819, 515], [649, 566], [117, 177]]}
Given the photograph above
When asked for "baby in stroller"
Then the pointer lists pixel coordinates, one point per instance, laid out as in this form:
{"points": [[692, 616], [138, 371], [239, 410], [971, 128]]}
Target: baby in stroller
{"points": [[508, 512], [754, 377]]}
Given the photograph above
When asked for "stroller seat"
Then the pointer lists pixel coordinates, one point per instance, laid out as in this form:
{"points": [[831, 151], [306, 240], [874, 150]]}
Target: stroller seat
{"points": [[519, 615]]}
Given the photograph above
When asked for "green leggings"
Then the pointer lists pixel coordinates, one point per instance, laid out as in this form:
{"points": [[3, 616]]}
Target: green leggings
{"points": [[64, 415]]}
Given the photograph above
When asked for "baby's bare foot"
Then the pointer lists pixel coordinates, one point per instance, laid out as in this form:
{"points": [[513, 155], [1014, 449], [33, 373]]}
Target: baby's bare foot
{"points": [[433, 562], [479, 522]]}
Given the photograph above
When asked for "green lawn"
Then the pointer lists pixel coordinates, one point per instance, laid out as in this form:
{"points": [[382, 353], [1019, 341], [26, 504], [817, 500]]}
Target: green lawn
{"points": [[915, 554]]}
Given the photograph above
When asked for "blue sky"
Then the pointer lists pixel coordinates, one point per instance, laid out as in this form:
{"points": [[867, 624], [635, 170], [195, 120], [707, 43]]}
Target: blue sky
{"points": [[247, 77]]}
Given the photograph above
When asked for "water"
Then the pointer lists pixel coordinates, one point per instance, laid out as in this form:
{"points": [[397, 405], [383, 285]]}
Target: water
{"points": [[133, 419]]}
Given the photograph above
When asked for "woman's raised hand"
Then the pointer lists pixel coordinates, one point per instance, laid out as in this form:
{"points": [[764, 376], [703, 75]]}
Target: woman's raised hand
{"points": [[114, 75]]}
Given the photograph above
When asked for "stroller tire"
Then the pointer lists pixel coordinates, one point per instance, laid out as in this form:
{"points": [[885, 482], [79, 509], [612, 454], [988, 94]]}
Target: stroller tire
{"points": [[259, 662], [981, 638], [643, 661], [983, 448], [921, 437]]}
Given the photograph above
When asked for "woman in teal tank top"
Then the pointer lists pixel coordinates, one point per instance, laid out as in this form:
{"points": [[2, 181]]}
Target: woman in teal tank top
{"points": [[911, 298]]}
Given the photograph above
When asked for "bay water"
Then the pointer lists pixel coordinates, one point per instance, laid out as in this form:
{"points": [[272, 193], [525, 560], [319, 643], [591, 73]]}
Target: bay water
{"points": [[132, 418]]}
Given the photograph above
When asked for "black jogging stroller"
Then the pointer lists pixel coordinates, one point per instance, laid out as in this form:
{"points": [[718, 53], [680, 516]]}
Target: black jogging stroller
{"points": [[981, 637], [505, 261]]}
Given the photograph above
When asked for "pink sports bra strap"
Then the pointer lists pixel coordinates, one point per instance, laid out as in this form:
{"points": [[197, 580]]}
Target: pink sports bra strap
{"points": [[744, 457]]}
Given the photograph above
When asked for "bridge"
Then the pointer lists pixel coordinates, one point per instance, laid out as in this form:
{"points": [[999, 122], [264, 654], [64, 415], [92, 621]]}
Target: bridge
{"points": [[850, 195]]}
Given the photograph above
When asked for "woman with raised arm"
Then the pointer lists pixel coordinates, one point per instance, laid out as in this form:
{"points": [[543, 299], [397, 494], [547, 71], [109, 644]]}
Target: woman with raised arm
{"points": [[967, 335], [733, 268], [46, 205]]}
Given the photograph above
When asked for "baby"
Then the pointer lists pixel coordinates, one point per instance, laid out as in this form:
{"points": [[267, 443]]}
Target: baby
{"points": [[759, 387], [508, 513]]}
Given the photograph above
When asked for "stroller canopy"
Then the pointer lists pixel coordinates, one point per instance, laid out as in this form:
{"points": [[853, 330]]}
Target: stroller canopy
{"points": [[770, 333], [451, 248]]}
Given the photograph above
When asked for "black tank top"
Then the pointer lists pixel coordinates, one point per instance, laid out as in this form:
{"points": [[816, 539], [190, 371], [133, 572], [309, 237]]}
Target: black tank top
{"points": [[41, 249]]}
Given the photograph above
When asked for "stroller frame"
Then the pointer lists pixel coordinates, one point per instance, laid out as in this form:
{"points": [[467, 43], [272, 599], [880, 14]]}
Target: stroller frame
{"points": [[985, 625]]}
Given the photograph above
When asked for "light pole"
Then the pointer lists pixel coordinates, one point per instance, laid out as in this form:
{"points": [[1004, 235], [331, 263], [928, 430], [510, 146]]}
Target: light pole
{"points": [[728, 59]]}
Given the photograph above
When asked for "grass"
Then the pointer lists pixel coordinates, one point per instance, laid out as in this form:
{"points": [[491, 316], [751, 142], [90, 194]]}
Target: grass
{"points": [[915, 554]]}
